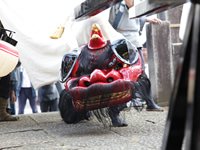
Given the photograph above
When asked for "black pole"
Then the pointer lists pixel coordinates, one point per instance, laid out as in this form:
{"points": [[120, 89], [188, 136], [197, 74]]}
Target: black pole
{"points": [[184, 112]]}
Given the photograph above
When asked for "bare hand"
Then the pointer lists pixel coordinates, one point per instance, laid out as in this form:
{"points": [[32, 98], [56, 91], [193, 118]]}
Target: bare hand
{"points": [[154, 20], [13, 97]]}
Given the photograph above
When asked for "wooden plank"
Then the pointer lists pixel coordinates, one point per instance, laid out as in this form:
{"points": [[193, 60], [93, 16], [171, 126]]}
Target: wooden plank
{"points": [[174, 25]]}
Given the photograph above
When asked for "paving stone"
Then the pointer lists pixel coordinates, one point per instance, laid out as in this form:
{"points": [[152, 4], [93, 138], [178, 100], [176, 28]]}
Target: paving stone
{"points": [[46, 117], [49, 131], [24, 123], [25, 139]]}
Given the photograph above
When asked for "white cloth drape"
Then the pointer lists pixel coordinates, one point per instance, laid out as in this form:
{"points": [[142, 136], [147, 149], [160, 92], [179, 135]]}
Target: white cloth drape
{"points": [[34, 20]]}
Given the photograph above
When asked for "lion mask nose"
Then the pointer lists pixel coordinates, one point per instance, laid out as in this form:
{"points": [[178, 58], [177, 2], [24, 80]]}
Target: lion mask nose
{"points": [[98, 76]]}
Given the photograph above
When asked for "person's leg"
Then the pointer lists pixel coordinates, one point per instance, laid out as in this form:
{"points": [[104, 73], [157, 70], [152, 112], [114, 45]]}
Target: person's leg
{"points": [[43, 106], [4, 116], [32, 100], [54, 105], [33, 104], [142, 58], [22, 101], [151, 105], [146, 94], [12, 109], [115, 118]]}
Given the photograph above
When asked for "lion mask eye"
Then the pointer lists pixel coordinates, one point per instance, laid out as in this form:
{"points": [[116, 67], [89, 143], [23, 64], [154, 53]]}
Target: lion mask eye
{"points": [[125, 51], [68, 62]]}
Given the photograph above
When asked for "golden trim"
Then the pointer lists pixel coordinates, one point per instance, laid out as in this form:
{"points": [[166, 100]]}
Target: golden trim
{"points": [[98, 99]]}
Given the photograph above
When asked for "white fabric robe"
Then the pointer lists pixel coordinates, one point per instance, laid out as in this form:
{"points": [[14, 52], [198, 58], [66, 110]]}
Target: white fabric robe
{"points": [[34, 21]]}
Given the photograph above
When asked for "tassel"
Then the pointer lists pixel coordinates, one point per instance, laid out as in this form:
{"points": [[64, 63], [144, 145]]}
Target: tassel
{"points": [[59, 31]]}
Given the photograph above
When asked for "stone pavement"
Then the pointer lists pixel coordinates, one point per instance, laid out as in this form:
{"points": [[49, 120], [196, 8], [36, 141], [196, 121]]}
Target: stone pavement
{"points": [[48, 131]]}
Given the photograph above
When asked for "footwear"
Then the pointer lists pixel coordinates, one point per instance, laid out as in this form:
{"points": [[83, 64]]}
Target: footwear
{"points": [[154, 107], [147, 94], [122, 124], [116, 121], [4, 116]]}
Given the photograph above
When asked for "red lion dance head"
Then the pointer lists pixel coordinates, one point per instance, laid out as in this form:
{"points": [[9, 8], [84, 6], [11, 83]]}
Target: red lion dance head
{"points": [[100, 75]]}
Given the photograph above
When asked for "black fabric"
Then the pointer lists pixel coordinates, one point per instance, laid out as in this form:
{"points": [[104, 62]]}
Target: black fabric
{"points": [[5, 86], [89, 60], [143, 86], [67, 111]]}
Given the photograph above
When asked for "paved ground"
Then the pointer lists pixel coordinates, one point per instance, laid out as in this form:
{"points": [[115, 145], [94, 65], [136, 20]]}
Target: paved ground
{"points": [[48, 131]]}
